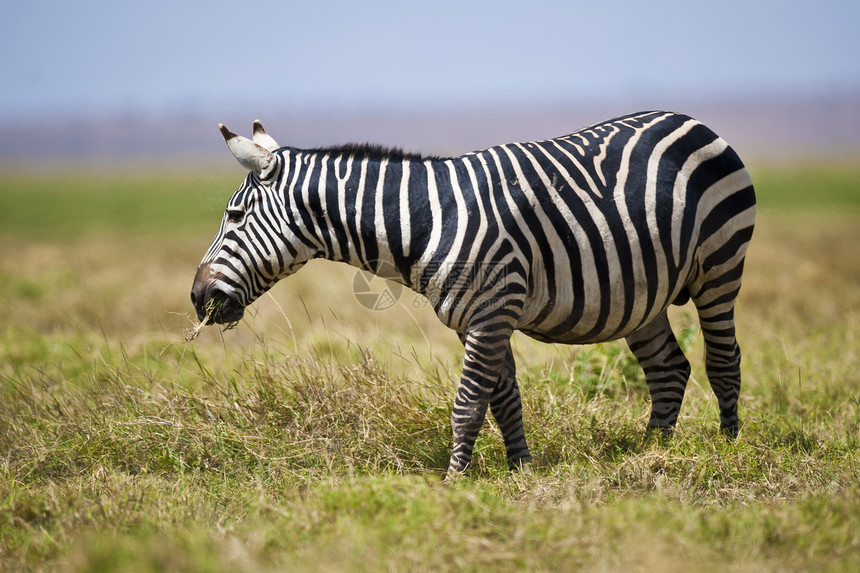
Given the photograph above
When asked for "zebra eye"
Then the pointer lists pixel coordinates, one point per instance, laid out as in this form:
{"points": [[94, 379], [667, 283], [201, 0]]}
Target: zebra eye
{"points": [[235, 215]]}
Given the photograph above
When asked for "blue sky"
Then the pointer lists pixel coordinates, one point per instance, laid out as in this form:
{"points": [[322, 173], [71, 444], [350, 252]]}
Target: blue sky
{"points": [[170, 56]]}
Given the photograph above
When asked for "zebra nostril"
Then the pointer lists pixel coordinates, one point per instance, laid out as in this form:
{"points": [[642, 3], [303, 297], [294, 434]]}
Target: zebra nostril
{"points": [[193, 298]]}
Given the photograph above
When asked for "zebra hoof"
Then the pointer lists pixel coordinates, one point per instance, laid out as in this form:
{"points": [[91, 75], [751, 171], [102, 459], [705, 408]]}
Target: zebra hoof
{"points": [[521, 465], [660, 434], [730, 432], [453, 476]]}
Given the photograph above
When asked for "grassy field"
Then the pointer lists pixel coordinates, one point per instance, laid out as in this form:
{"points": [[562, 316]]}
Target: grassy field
{"points": [[314, 437]]}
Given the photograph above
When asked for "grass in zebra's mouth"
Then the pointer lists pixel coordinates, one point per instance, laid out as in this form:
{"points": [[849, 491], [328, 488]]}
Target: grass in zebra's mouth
{"points": [[212, 307]]}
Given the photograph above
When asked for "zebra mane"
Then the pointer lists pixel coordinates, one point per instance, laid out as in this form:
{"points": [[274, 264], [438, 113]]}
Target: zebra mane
{"points": [[372, 151]]}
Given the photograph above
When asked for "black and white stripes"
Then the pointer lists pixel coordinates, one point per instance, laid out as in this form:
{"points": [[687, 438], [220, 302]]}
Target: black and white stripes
{"points": [[583, 238]]}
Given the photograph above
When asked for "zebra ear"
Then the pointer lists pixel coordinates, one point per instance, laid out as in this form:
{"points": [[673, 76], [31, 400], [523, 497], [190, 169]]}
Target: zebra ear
{"points": [[250, 155], [262, 138]]}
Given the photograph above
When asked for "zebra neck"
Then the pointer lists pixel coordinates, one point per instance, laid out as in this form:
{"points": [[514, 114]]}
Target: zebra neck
{"points": [[380, 213]]}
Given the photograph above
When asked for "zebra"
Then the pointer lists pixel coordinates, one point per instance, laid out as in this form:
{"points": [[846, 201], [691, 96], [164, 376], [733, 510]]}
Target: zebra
{"points": [[584, 238]]}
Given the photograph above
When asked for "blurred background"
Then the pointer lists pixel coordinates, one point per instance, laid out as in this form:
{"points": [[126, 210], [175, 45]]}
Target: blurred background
{"points": [[116, 85]]}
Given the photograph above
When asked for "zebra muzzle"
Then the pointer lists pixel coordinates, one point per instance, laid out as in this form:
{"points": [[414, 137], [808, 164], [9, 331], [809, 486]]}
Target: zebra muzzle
{"points": [[211, 304]]}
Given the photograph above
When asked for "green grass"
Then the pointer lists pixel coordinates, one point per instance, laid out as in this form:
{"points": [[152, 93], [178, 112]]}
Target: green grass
{"points": [[820, 189], [316, 434], [73, 206]]}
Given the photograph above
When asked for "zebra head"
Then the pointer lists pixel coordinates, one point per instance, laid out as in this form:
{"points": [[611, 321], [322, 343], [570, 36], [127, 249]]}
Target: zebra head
{"points": [[255, 245]]}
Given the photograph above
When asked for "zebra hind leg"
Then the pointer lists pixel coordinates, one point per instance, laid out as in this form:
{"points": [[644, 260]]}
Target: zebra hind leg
{"points": [[722, 360], [666, 371], [507, 408], [714, 293]]}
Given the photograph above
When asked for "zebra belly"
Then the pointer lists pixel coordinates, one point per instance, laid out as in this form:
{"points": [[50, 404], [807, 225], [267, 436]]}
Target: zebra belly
{"points": [[597, 305], [573, 332]]}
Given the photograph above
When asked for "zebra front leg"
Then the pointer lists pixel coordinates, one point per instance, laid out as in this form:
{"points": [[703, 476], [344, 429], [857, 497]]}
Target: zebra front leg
{"points": [[483, 365], [507, 408], [666, 371]]}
